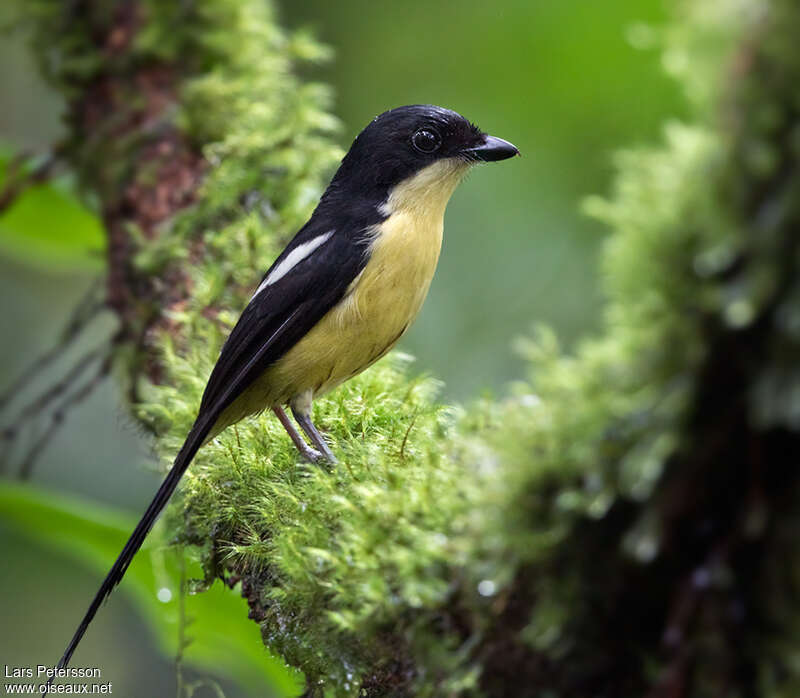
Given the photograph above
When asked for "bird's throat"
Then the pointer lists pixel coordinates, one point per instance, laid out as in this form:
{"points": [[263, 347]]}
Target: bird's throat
{"points": [[425, 194]]}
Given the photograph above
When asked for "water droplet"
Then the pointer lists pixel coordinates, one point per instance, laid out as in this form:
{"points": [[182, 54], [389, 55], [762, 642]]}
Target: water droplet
{"points": [[740, 313], [487, 587], [164, 595], [530, 400], [645, 549]]}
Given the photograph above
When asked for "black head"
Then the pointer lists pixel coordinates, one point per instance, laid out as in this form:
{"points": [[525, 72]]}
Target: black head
{"points": [[401, 142]]}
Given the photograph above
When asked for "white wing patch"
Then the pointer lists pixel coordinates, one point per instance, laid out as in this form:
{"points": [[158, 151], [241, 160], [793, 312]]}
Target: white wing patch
{"points": [[297, 255]]}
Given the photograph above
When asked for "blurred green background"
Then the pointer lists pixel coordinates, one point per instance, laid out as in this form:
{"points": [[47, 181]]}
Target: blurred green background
{"points": [[567, 82]]}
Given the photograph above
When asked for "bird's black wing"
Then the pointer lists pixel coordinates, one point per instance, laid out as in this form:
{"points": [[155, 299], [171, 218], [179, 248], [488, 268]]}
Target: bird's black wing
{"points": [[281, 313]]}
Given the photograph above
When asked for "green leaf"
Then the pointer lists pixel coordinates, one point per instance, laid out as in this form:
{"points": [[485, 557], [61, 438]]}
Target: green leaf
{"points": [[47, 226], [221, 636]]}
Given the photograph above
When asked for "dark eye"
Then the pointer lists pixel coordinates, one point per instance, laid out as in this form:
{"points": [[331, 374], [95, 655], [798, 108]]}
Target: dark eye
{"points": [[426, 140]]}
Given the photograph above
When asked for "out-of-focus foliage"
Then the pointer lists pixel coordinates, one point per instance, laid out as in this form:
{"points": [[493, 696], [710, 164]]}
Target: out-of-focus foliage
{"points": [[46, 226], [213, 626]]}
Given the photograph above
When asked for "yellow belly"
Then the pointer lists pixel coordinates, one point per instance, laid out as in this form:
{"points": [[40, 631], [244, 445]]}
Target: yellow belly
{"points": [[382, 302], [377, 309]]}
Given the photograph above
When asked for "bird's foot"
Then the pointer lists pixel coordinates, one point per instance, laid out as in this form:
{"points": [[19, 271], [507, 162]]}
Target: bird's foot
{"points": [[314, 436], [312, 455]]}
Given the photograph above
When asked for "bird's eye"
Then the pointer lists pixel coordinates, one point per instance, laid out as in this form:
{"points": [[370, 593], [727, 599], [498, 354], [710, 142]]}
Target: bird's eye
{"points": [[426, 140]]}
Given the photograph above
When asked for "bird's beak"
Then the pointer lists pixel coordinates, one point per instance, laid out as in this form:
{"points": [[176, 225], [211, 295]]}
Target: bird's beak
{"points": [[492, 149]]}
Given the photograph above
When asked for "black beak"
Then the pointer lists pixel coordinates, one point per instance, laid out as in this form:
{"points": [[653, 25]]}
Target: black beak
{"points": [[492, 149]]}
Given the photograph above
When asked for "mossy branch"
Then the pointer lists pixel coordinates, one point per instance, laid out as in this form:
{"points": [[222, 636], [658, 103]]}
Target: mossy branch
{"points": [[624, 524]]}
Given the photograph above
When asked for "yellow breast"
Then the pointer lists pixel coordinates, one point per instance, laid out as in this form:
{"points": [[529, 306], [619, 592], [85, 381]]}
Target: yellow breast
{"points": [[380, 303]]}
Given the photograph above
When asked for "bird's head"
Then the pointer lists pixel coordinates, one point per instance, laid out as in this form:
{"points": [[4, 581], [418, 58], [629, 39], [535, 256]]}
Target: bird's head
{"points": [[421, 147]]}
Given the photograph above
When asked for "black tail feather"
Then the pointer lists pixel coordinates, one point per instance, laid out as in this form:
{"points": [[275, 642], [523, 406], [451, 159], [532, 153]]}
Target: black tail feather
{"points": [[190, 447]]}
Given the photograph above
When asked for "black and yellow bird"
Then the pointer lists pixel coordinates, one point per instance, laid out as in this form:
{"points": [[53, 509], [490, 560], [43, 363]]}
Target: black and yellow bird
{"points": [[340, 295]]}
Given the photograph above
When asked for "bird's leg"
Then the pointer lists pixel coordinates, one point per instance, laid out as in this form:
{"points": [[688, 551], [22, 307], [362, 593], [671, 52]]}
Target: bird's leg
{"points": [[301, 409], [316, 438], [306, 451]]}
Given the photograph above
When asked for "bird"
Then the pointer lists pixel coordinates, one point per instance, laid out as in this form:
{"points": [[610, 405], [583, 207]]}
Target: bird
{"points": [[339, 296]]}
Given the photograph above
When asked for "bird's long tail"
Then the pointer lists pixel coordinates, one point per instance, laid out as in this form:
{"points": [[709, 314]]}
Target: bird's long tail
{"points": [[190, 447]]}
